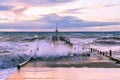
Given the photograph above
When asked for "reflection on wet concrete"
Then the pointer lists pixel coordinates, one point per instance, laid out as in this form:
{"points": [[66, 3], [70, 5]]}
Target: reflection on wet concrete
{"points": [[66, 74]]}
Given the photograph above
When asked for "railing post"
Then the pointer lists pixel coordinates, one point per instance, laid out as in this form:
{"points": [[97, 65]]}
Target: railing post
{"points": [[103, 53], [91, 50], [110, 53]]}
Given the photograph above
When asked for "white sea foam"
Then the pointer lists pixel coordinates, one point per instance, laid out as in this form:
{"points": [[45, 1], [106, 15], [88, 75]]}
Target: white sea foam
{"points": [[6, 72]]}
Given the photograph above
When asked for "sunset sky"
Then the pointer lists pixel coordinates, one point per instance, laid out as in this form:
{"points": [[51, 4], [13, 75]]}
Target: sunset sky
{"points": [[70, 15]]}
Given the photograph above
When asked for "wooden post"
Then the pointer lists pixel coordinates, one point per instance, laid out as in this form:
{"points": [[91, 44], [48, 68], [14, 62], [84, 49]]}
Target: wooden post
{"points": [[103, 53], [18, 67], [91, 50], [22, 64], [110, 53]]}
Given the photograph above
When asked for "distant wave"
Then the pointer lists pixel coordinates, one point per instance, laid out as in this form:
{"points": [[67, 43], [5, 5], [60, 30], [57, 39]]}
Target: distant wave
{"points": [[109, 38], [21, 38], [108, 42]]}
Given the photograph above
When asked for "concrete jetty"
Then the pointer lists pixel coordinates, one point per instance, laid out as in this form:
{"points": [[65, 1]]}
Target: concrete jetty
{"points": [[65, 74], [59, 69], [55, 69]]}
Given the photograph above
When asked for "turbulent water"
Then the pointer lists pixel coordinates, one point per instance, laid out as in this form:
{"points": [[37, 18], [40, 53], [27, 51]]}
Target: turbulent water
{"points": [[16, 47]]}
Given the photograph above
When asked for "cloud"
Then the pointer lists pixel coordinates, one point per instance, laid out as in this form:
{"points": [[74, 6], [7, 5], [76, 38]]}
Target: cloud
{"points": [[3, 18], [71, 21], [75, 10], [45, 2], [111, 5], [114, 19], [19, 9], [36, 2], [5, 8], [96, 6], [48, 22]]}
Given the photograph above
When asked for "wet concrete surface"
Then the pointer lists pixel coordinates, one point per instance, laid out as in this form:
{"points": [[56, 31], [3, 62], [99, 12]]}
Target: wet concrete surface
{"points": [[68, 68], [65, 74]]}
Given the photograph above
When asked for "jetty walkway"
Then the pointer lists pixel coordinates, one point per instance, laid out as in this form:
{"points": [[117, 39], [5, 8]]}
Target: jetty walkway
{"points": [[69, 67], [62, 68]]}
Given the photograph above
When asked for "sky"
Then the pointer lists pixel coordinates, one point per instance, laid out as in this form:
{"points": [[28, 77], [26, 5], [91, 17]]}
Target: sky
{"points": [[70, 15]]}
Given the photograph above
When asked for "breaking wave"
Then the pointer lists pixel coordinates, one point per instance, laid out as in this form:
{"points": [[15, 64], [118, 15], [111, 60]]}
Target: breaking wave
{"points": [[14, 53], [17, 48], [108, 42]]}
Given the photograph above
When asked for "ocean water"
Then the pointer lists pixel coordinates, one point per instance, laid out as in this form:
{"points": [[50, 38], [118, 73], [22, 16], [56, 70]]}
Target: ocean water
{"points": [[16, 47]]}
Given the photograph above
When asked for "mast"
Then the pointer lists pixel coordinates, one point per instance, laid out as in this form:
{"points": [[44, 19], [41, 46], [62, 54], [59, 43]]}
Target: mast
{"points": [[56, 31]]}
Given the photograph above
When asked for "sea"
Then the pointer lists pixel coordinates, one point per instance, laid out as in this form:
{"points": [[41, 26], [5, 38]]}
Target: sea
{"points": [[17, 47]]}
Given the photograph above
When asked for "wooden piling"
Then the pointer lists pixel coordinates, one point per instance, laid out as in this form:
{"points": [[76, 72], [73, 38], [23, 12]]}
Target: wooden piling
{"points": [[107, 54], [114, 59], [91, 50], [110, 53], [100, 52], [103, 53], [22, 64]]}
